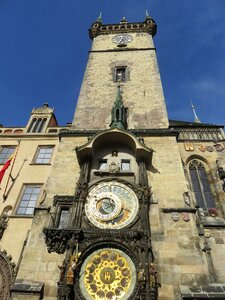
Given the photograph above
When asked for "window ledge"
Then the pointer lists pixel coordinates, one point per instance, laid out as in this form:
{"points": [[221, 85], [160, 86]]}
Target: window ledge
{"points": [[35, 164], [21, 216], [120, 173], [179, 210], [213, 222]]}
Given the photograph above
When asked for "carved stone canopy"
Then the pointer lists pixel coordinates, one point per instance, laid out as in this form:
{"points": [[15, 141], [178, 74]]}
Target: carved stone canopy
{"points": [[112, 136], [44, 109]]}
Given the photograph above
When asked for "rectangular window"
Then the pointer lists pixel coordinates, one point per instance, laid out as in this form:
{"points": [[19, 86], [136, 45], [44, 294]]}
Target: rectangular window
{"points": [[28, 199], [120, 74], [43, 155], [125, 165], [5, 153], [102, 165], [64, 218]]}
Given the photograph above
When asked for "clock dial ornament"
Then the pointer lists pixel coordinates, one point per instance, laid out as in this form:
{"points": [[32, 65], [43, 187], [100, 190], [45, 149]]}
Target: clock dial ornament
{"points": [[111, 205], [107, 274], [122, 39]]}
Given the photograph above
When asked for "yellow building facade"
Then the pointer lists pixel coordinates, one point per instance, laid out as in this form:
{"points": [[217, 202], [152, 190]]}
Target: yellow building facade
{"points": [[122, 204]]}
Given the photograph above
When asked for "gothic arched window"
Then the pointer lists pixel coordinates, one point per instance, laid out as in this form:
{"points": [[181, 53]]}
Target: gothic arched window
{"points": [[200, 185]]}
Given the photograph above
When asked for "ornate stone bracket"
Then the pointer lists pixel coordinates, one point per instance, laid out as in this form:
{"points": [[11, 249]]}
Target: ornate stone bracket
{"points": [[56, 239]]}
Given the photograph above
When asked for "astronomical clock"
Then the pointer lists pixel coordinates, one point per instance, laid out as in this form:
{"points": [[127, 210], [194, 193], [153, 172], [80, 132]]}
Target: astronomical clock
{"points": [[104, 229], [111, 205]]}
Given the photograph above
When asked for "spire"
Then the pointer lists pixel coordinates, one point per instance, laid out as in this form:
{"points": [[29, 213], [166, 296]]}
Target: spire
{"points": [[195, 115], [99, 18], [147, 15], [119, 112]]}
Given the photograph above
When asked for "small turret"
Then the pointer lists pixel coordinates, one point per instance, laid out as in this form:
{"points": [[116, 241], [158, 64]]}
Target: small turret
{"points": [[94, 30]]}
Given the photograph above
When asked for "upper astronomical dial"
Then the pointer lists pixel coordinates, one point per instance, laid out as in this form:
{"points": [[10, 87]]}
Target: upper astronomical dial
{"points": [[111, 205], [122, 39]]}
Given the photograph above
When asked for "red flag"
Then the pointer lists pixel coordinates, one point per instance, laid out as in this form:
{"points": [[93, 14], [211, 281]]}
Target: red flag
{"points": [[5, 167]]}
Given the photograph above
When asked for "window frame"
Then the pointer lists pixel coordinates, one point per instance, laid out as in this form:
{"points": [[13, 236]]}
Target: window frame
{"points": [[37, 124], [59, 214], [125, 161], [37, 153], [20, 199], [124, 74], [6, 158]]}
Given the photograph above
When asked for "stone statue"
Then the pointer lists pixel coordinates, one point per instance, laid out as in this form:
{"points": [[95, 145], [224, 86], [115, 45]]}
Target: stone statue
{"points": [[72, 268], [153, 276]]}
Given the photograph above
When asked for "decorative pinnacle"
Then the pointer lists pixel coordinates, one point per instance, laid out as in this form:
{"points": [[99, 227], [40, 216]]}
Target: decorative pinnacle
{"points": [[100, 18], [147, 15], [119, 114], [195, 115], [123, 21]]}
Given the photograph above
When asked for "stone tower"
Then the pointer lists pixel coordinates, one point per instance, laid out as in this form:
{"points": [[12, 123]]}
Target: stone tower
{"points": [[122, 53]]}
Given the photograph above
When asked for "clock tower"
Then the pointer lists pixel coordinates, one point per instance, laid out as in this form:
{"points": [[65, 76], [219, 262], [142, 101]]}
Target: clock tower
{"points": [[107, 241]]}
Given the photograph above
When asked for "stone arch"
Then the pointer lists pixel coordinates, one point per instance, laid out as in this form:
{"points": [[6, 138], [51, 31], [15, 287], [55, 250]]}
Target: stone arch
{"points": [[197, 157]]}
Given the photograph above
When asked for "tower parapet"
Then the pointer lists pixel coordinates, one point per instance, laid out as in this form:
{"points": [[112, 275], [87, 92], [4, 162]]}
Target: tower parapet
{"points": [[98, 28]]}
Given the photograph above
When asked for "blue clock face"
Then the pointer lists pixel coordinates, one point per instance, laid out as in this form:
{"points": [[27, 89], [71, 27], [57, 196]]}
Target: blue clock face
{"points": [[122, 39], [111, 205]]}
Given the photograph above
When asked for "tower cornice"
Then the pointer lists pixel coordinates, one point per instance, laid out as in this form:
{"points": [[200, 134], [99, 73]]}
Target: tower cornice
{"points": [[148, 26]]}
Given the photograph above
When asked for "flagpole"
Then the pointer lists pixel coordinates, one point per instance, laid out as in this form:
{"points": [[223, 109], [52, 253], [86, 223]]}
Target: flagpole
{"points": [[10, 176]]}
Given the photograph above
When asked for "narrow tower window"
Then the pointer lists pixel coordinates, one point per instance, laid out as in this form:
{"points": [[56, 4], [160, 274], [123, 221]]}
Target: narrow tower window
{"points": [[120, 74]]}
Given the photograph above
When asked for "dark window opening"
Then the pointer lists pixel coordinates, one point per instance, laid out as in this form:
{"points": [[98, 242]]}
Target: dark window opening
{"points": [[200, 185], [37, 125], [64, 218], [120, 74]]}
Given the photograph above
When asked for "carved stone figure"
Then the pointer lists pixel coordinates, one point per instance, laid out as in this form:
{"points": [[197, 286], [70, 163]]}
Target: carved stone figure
{"points": [[153, 276], [114, 167], [71, 269], [4, 219], [187, 198], [62, 269], [141, 276]]}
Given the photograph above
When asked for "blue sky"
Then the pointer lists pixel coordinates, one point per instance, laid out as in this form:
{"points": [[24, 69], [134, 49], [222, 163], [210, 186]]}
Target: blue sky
{"points": [[44, 47]]}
